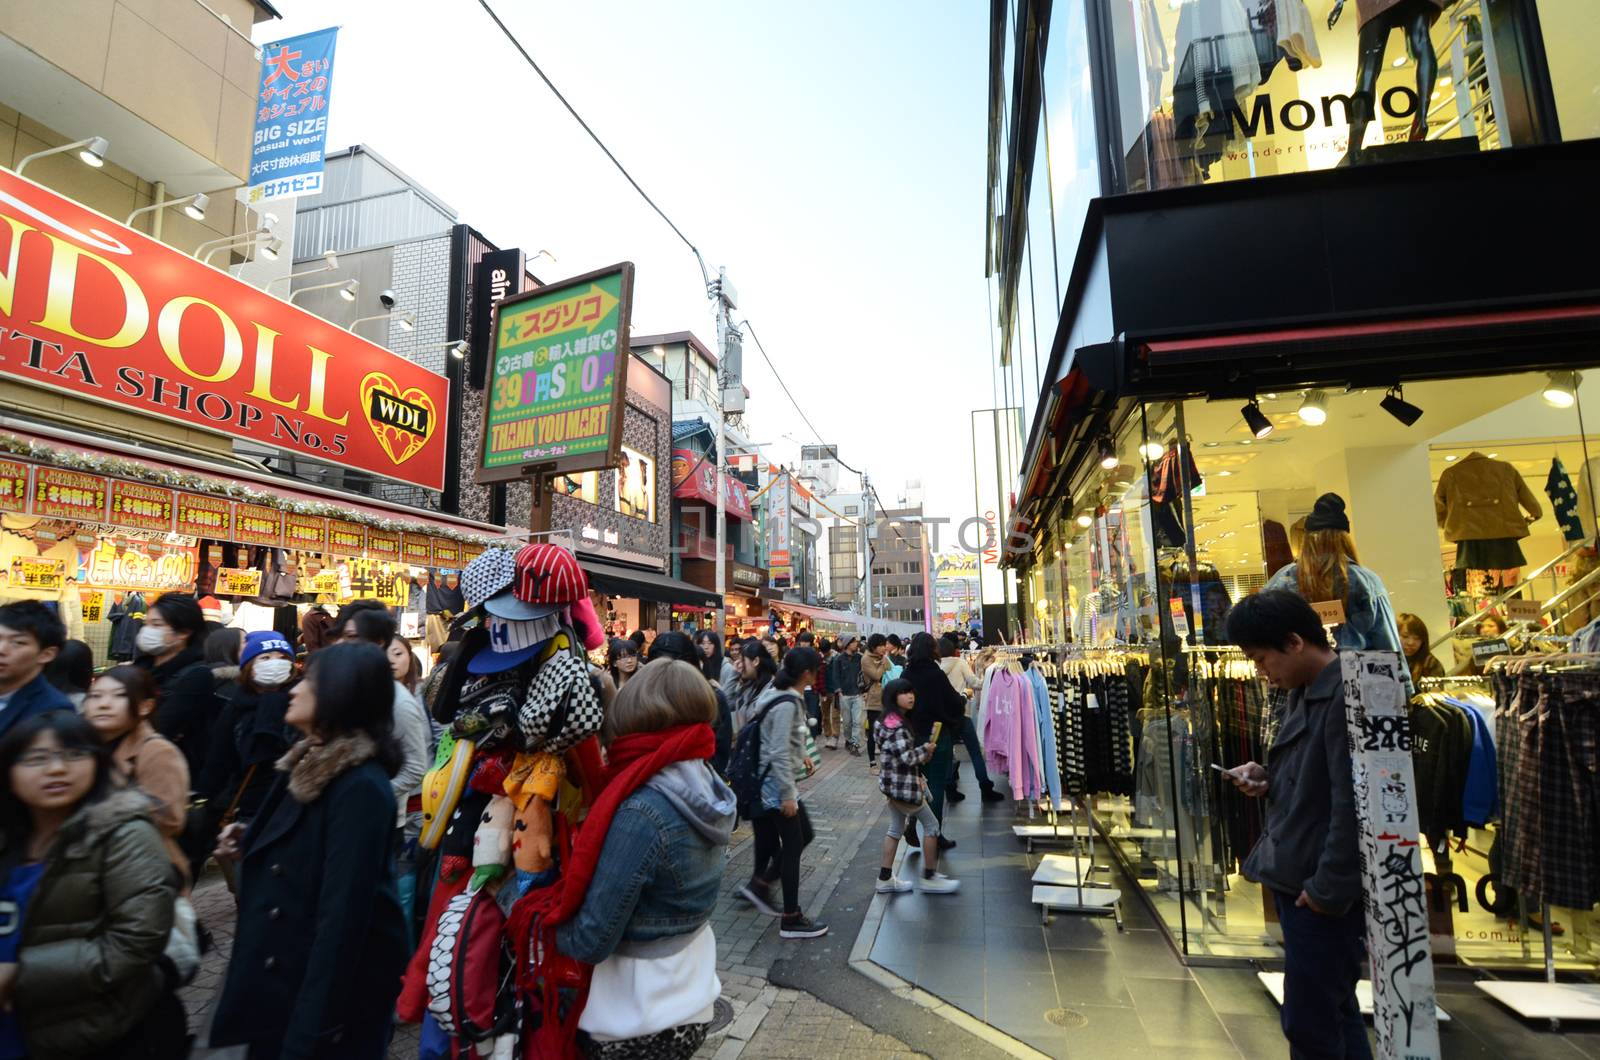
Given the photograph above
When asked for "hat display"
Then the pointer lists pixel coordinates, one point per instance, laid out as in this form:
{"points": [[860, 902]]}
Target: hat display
{"points": [[512, 642], [486, 582], [549, 574], [562, 707], [261, 643]]}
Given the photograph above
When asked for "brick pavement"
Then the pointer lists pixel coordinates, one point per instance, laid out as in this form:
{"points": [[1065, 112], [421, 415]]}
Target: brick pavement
{"points": [[768, 1021]]}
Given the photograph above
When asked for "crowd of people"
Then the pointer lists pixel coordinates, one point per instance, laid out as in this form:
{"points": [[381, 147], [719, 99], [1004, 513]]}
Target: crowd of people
{"points": [[296, 765]]}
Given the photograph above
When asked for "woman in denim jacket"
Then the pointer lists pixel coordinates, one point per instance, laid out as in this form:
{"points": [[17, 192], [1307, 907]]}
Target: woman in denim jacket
{"points": [[643, 921]]}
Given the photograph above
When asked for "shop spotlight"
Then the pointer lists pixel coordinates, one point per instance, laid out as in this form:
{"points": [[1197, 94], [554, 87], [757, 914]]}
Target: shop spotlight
{"points": [[1397, 406], [1314, 409], [459, 350], [197, 209], [1256, 420], [1085, 520], [347, 291], [1108, 454], [271, 249], [1153, 451], [94, 152], [1562, 390]]}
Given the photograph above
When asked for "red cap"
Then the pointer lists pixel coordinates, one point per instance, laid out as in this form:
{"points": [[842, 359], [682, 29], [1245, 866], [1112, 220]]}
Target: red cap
{"points": [[549, 574]]}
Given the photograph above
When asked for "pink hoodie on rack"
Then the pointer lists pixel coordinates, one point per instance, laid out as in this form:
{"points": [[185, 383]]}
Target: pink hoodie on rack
{"points": [[1011, 734]]}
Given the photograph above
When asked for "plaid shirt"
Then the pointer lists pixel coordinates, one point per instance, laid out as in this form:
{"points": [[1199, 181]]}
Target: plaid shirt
{"points": [[899, 755]]}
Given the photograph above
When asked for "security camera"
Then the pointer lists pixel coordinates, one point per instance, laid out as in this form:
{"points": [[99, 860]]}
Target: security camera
{"points": [[387, 298]]}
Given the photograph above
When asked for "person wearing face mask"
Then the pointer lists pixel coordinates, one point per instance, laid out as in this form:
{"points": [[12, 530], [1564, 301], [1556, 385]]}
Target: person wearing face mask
{"points": [[171, 647], [251, 733]]}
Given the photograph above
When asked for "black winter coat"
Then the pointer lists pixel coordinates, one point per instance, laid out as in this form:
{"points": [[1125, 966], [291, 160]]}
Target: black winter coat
{"points": [[321, 942], [937, 700], [248, 733], [186, 703]]}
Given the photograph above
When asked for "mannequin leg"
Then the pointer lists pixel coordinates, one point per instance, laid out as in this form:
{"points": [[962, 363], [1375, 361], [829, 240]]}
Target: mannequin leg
{"points": [[1369, 63], [1421, 42]]}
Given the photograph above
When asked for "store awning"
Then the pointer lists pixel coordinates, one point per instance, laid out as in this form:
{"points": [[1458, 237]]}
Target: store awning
{"points": [[638, 584]]}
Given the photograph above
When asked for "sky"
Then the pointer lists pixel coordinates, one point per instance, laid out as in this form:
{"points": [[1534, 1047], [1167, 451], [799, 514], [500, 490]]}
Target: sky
{"points": [[830, 155]]}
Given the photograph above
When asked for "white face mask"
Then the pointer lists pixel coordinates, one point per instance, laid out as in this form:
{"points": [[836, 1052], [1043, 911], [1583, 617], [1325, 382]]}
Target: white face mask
{"points": [[270, 673], [152, 641]]}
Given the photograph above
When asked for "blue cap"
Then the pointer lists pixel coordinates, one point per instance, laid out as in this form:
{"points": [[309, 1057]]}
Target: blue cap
{"points": [[257, 643]]}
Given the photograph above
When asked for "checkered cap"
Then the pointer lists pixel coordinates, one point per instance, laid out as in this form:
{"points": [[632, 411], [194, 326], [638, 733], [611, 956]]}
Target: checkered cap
{"points": [[487, 575], [549, 574]]}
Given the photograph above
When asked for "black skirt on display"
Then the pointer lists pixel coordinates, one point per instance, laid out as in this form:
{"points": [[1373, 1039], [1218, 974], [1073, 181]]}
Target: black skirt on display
{"points": [[1491, 553]]}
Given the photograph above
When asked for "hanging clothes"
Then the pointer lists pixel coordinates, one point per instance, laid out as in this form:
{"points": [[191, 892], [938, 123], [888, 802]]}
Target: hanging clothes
{"points": [[1217, 67], [1563, 501], [1297, 35], [1044, 719], [1011, 733], [1174, 477]]}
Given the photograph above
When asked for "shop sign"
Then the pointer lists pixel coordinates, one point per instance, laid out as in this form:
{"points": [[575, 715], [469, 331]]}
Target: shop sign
{"points": [[141, 507], [305, 533], [1485, 650], [746, 576], [498, 276], [470, 550], [147, 566], [1520, 610], [382, 545], [557, 377], [46, 575], [69, 494], [322, 583], [238, 581], [416, 549], [256, 524], [378, 580], [694, 477], [292, 90], [93, 606], [446, 553], [1394, 892], [98, 310], [202, 516], [955, 565], [13, 486], [345, 538], [779, 503]]}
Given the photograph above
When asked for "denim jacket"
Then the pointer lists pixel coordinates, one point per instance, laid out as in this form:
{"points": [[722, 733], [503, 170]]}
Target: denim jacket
{"points": [[1369, 619], [661, 865]]}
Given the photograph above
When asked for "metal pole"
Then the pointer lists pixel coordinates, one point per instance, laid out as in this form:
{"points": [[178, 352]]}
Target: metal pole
{"points": [[723, 325], [868, 521]]}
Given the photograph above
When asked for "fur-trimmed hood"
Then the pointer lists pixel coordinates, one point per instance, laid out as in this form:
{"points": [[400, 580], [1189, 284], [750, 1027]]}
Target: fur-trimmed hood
{"points": [[312, 765]]}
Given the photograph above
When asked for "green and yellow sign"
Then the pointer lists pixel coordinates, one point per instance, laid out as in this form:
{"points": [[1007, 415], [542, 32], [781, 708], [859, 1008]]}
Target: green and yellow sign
{"points": [[557, 375]]}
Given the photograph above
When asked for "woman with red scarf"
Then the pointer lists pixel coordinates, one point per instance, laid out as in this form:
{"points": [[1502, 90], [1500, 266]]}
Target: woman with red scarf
{"points": [[636, 893]]}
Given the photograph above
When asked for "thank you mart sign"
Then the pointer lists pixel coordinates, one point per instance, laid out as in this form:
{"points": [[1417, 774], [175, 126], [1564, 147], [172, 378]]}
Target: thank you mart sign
{"points": [[557, 377], [98, 310]]}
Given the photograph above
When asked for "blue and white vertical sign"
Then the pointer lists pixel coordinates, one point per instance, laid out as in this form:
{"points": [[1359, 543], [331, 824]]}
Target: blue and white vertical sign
{"points": [[292, 96]]}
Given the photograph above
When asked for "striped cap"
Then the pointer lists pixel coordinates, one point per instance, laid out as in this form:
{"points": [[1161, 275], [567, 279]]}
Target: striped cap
{"points": [[549, 574]]}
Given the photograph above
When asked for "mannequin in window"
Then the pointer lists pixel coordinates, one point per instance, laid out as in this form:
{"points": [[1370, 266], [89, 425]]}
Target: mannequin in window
{"points": [[1479, 503], [1375, 19]]}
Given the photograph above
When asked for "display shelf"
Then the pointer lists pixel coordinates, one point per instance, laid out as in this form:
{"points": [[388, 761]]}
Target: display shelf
{"points": [[1062, 870], [1273, 981], [1546, 1001], [1099, 901]]}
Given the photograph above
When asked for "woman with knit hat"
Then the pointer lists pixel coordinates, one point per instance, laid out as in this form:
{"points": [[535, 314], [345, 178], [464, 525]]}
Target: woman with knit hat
{"points": [[1328, 568]]}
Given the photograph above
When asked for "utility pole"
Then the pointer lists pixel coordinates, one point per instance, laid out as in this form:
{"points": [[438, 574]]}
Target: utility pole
{"points": [[726, 299], [868, 521]]}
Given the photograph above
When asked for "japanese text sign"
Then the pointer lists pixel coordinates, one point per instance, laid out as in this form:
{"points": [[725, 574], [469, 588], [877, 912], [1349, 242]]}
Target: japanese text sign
{"points": [[382, 545], [1403, 1012], [417, 549], [308, 533], [202, 516], [238, 581], [346, 539], [100, 311], [557, 376], [694, 477], [446, 553], [255, 524], [69, 494], [44, 574], [13, 486], [286, 153], [142, 507]]}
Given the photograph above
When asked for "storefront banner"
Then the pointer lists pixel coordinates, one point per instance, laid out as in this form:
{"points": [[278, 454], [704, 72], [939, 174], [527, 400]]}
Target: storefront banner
{"points": [[321, 583], [1403, 1012], [955, 565], [98, 310], [238, 581], [381, 545], [291, 135], [498, 275], [93, 605], [694, 477], [996, 451], [557, 377], [305, 533], [202, 516], [780, 504], [254, 524], [416, 549], [470, 550], [141, 507], [446, 553], [13, 486], [69, 494], [148, 566], [380, 580], [45, 575], [346, 539]]}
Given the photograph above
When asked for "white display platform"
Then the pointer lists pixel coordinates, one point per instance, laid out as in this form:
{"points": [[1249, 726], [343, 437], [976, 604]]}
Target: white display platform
{"points": [[1273, 981], [1064, 898], [1546, 1001], [1061, 869]]}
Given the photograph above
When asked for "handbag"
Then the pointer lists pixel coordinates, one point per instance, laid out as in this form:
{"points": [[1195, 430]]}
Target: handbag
{"points": [[807, 833], [631, 996]]}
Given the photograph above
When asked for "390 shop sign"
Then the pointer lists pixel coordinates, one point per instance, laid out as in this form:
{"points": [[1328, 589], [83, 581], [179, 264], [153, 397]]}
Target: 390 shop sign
{"points": [[99, 310]]}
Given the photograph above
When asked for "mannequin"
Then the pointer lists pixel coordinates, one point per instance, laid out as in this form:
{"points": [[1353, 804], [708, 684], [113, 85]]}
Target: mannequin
{"points": [[1377, 18]]}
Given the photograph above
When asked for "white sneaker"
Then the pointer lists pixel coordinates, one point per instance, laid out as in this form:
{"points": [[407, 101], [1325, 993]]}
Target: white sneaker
{"points": [[893, 885], [832, 745], [939, 883]]}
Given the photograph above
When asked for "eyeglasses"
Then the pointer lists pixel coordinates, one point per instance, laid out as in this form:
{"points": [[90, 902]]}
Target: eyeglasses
{"points": [[44, 759]]}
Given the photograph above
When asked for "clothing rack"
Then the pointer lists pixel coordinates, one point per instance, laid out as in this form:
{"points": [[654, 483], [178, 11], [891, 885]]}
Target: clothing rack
{"points": [[1548, 1000]]}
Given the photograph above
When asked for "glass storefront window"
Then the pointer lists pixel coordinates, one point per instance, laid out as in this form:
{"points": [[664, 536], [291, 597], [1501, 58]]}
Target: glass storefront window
{"points": [[1212, 90], [1198, 511]]}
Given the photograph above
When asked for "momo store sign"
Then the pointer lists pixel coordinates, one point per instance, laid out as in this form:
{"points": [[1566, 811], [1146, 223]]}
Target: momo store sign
{"points": [[95, 309], [557, 377]]}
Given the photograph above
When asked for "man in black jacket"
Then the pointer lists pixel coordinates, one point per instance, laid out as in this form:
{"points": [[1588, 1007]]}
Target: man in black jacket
{"points": [[1308, 855]]}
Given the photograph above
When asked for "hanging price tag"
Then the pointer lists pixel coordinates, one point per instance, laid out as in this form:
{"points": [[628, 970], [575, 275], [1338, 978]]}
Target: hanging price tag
{"points": [[1520, 610], [1329, 612], [1485, 650], [1180, 620]]}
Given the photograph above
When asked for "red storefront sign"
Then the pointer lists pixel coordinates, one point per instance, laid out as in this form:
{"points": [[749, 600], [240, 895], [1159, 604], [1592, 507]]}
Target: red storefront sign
{"points": [[446, 553], [69, 494], [308, 533], [346, 539], [417, 549], [202, 516], [13, 486], [382, 545], [694, 477], [142, 507], [255, 524], [96, 309]]}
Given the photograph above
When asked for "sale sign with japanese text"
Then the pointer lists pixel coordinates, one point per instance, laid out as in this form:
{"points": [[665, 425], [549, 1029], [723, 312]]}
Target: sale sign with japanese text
{"points": [[238, 581], [98, 310], [13, 486], [557, 377], [286, 154]]}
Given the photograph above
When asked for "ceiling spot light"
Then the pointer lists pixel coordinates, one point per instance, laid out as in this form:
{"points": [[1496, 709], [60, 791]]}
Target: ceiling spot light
{"points": [[1395, 404], [1314, 409], [94, 152], [1153, 450], [1108, 454], [1255, 419], [1085, 520], [1450, 458], [1562, 390], [197, 209]]}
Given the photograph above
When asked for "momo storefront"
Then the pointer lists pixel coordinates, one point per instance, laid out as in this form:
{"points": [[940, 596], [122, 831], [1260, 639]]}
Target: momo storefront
{"points": [[146, 400]]}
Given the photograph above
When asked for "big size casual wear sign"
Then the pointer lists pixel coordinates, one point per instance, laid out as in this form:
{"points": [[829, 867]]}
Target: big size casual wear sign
{"points": [[292, 90], [99, 310]]}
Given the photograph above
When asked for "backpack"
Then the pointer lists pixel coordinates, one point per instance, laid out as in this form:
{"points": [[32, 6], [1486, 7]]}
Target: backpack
{"points": [[744, 764]]}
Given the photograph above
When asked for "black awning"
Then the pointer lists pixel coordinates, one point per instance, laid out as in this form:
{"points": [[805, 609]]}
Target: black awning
{"points": [[644, 585]]}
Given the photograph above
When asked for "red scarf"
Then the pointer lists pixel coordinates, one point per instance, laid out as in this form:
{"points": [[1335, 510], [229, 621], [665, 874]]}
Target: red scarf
{"points": [[633, 760]]}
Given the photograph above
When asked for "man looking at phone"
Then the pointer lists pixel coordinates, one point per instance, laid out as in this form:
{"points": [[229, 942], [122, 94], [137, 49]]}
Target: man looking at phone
{"points": [[1308, 855]]}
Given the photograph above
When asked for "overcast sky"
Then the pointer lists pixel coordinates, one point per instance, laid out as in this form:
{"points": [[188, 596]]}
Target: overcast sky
{"points": [[830, 155]]}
